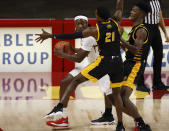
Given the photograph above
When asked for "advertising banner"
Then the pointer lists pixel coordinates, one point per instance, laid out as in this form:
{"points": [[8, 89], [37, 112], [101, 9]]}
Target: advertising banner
{"points": [[24, 86], [20, 53]]}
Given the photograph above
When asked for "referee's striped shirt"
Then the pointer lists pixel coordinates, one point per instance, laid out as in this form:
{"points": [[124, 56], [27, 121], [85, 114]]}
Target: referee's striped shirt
{"points": [[153, 16]]}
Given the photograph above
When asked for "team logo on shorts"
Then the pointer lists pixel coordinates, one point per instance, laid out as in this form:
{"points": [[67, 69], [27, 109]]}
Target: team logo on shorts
{"points": [[125, 78]]}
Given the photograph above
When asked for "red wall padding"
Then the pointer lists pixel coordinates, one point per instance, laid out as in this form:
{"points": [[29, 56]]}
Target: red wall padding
{"points": [[57, 28], [69, 27]]}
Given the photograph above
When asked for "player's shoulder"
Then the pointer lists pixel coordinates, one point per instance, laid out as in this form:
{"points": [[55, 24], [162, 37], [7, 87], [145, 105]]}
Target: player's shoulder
{"points": [[89, 39], [142, 28]]}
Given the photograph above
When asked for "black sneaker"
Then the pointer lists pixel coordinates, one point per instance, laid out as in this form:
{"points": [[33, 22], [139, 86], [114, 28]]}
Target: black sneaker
{"points": [[120, 127], [160, 86], [55, 110], [104, 120], [142, 88], [145, 128]]}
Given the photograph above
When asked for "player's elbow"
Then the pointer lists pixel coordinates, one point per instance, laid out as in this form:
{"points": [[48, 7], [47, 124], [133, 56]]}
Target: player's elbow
{"points": [[78, 60]]}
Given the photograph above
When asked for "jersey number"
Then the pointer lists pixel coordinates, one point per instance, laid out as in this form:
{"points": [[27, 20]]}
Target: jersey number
{"points": [[110, 37]]}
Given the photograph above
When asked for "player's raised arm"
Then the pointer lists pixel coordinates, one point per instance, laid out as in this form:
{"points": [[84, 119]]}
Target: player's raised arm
{"points": [[119, 10], [45, 35], [41, 37], [90, 31]]}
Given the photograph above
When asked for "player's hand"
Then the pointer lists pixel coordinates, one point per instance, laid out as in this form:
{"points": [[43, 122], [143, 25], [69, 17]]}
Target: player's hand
{"points": [[59, 52], [71, 47], [121, 30], [45, 35]]}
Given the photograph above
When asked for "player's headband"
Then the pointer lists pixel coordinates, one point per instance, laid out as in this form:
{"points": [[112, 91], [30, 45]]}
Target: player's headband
{"points": [[81, 17]]}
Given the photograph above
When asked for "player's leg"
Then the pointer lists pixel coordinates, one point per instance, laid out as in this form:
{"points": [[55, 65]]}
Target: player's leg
{"points": [[114, 67], [132, 70], [62, 121], [157, 47], [119, 106], [59, 119], [116, 83], [72, 87], [110, 97], [63, 86], [130, 107], [107, 116]]}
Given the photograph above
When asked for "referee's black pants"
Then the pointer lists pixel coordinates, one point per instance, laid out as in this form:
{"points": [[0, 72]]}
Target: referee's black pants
{"points": [[157, 47]]}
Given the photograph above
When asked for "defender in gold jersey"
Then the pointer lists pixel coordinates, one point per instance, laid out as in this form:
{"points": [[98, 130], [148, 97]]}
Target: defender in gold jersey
{"points": [[137, 50], [135, 61], [109, 62]]}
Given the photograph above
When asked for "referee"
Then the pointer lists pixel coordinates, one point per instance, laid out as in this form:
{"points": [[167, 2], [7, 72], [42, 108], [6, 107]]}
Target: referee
{"points": [[153, 20]]}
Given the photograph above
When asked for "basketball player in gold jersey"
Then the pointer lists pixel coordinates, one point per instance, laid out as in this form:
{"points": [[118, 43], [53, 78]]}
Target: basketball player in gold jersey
{"points": [[137, 48], [109, 62]]}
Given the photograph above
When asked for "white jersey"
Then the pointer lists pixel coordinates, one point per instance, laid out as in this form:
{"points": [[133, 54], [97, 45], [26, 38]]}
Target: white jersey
{"points": [[88, 44]]}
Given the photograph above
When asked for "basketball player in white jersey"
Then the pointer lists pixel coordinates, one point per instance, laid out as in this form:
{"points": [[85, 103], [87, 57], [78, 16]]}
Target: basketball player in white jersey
{"points": [[85, 55]]}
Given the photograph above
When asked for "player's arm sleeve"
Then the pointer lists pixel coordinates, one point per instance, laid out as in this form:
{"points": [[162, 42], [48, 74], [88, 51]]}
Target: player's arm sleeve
{"points": [[68, 36]]}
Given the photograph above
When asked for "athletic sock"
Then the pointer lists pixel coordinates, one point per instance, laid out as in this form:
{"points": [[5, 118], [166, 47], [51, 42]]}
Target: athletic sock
{"points": [[108, 112], [59, 107], [120, 124], [140, 122]]}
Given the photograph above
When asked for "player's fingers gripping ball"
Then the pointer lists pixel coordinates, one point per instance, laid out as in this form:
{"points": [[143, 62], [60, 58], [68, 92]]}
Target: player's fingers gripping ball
{"points": [[62, 45]]}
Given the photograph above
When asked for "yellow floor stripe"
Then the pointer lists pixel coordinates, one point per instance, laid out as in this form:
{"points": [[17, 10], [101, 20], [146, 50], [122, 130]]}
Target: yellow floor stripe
{"points": [[52, 92], [91, 92], [139, 95]]}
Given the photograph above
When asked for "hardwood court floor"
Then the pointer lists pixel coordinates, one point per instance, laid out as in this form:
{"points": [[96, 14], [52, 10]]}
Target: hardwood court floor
{"points": [[22, 115], [28, 104]]}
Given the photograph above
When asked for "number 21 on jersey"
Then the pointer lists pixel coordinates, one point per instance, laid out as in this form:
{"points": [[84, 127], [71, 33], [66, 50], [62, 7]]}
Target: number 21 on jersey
{"points": [[110, 37]]}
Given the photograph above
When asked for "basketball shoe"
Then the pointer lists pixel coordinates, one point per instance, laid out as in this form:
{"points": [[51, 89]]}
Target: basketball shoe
{"points": [[104, 120], [62, 122], [120, 127], [142, 128], [56, 113]]}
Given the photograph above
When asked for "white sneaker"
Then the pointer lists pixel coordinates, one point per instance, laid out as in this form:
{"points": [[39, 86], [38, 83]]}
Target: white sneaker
{"points": [[54, 115]]}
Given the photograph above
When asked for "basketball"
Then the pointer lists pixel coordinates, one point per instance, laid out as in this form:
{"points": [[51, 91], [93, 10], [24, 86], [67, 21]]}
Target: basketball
{"points": [[59, 45]]}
